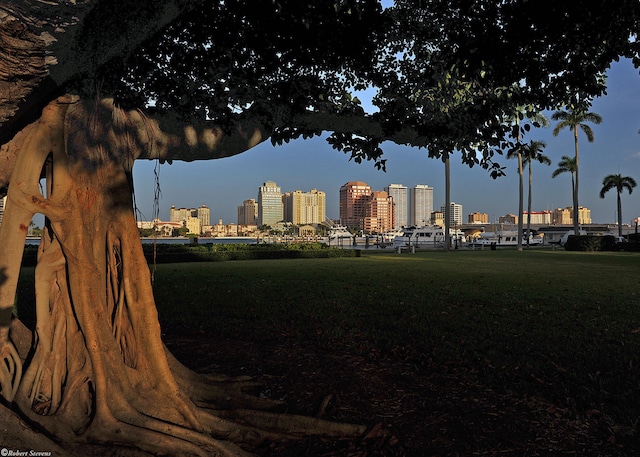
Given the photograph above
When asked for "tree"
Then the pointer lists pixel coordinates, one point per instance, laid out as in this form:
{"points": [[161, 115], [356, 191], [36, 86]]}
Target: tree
{"points": [[619, 183], [537, 119], [532, 152], [76, 79], [574, 120]]}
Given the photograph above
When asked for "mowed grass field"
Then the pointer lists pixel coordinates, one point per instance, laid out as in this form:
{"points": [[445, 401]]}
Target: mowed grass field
{"points": [[566, 324], [556, 325]]}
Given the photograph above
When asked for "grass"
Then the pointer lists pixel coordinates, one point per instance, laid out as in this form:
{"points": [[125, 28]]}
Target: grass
{"points": [[565, 325]]}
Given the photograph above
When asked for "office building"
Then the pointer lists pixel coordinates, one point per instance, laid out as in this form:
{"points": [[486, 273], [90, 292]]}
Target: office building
{"points": [[421, 204], [353, 203], [270, 207], [379, 213], [302, 208], [248, 213], [455, 213], [399, 194]]}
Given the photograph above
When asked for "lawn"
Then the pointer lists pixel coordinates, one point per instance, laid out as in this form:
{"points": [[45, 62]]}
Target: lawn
{"points": [[459, 353]]}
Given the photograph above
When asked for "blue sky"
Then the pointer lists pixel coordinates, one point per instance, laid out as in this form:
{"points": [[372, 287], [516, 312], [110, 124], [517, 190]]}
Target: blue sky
{"points": [[223, 184]]}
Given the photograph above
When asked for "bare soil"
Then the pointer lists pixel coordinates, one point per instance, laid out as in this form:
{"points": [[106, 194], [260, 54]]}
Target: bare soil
{"points": [[413, 407]]}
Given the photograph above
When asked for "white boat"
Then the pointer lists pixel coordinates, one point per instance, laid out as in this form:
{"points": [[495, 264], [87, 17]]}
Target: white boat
{"points": [[431, 236], [389, 237], [504, 238], [339, 231]]}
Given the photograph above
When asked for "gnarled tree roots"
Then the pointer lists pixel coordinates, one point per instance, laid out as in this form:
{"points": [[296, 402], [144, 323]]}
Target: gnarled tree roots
{"points": [[97, 370]]}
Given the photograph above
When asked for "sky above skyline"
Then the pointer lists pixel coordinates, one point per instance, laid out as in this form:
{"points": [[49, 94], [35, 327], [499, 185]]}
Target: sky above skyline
{"points": [[223, 184]]}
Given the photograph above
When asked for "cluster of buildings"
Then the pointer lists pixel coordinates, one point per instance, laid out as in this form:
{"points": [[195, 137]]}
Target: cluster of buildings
{"points": [[560, 216], [374, 211], [380, 211], [361, 208]]}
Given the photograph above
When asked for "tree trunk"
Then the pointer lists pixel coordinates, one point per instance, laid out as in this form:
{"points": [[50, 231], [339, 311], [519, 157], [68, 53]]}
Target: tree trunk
{"points": [[619, 215], [447, 205], [99, 372], [576, 214], [520, 201], [529, 203]]}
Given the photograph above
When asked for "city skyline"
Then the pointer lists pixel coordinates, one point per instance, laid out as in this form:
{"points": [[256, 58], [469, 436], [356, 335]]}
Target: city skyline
{"points": [[305, 164]]}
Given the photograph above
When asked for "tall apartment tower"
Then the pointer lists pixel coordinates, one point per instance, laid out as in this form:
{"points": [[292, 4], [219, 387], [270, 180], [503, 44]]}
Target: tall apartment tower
{"points": [[3, 202], [270, 207], [421, 203], [248, 213], [379, 213], [399, 194], [353, 202], [455, 213], [204, 215], [305, 207]]}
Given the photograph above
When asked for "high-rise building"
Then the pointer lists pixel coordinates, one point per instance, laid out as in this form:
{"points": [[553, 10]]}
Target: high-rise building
{"points": [[353, 203], [421, 203], [304, 207], [248, 213], [584, 215], [3, 202], [562, 216], [270, 207], [455, 213], [379, 213], [204, 215], [399, 194]]}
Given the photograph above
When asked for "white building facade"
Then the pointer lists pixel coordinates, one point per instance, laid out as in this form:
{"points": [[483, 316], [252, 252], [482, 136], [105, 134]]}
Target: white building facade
{"points": [[399, 193], [421, 204]]}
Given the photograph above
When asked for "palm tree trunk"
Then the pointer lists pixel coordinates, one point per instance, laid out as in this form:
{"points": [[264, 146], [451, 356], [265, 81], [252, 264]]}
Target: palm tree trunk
{"points": [[619, 216], [447, 211], [529, 203], [576, 223], [520, 201]]}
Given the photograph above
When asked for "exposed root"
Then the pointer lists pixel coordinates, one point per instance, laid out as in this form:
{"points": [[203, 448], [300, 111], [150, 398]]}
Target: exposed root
{"points": [[10, 367], [292, 424]]}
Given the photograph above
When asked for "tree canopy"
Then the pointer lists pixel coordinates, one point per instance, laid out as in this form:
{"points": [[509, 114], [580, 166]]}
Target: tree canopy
{"points": [[89, 86], [446, 74]]}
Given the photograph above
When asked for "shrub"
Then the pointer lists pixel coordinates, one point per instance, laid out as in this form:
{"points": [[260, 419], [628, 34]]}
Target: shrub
{"points": [[590, 243]]}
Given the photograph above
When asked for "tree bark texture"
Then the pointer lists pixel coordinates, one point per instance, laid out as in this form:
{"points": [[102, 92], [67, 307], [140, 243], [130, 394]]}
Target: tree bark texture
{"points": [[98, 371]]}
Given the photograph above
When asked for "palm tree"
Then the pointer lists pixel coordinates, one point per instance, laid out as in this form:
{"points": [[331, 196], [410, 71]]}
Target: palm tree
{"points": [[533, 152], [619, 183], [447, 205], [574, 120], [568, 165], [537, 119]]}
